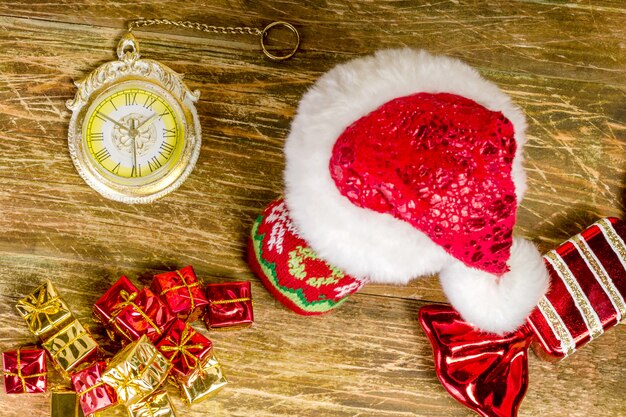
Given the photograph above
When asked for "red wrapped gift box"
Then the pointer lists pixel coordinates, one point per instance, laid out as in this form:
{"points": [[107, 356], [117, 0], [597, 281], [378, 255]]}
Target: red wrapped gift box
{"points": [[93, 394], [24, 371], [146, 314], [587, 290], [109, 304], [230, 305], [185, 348], [131, 313], [182, 293]]}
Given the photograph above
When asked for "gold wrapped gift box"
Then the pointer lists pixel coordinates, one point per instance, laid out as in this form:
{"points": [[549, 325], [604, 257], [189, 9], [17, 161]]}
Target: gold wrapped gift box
{"points": [[136, 371], [65, 404], [158, 404], [205, 383], [44, 311], [71, 346]]}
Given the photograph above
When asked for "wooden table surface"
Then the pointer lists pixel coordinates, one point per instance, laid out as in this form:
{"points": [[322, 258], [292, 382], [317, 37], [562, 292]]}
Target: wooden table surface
{"points": [[563, 62]]}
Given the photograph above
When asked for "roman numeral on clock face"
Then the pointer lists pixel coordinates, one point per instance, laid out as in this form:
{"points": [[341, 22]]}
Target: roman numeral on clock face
{"points": [[166, 148], [95, 137], [149, 102], [136, 171], [154, 164], [130, 98], [102, 155], [116, 169], [170, 133]]}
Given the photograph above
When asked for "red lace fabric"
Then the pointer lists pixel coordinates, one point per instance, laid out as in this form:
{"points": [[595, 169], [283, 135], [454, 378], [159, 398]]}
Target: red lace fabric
{"points": [[440, 162]]}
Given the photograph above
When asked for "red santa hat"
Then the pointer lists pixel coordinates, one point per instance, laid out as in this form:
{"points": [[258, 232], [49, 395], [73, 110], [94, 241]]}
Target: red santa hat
{"points": [[402, 165]]}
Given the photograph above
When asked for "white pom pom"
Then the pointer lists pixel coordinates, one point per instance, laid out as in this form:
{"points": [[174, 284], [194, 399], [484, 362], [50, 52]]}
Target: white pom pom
{"points": [[498, 304]]}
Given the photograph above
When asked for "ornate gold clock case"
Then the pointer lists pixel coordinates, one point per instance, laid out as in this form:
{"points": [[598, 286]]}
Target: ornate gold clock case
{"points": [[134, 135]]}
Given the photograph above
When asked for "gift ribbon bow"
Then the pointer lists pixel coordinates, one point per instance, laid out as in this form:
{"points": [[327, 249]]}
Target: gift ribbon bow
{"points": [[129, 299], [19, 374], [183, 348], [485, 372], [39, 307], [185, 285]]}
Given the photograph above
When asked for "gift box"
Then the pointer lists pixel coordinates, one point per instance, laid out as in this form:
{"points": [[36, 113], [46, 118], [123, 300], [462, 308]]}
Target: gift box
{"points": [[185, 348], [70, 347], [587, 290], [204, 384], [65, 404], [158, 404], [145, 315], [93, 394], [131, 313], [136, 371], [44, 311], [182, 293], [230, 305], [114, 300], [24, 371]]}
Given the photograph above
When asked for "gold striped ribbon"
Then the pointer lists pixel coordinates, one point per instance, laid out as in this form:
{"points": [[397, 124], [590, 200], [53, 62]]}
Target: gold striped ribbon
{"points": [[580, 299], [558, 327], [601, 275]]}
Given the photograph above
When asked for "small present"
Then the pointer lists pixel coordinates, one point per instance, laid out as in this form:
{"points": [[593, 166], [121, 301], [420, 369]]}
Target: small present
{"points": [[70, 347], [158, 404], [93, 394], [230, 305], [185, 348], [136, 371], [115, 299], [181, 292], [205, 383], [65, 404], [24, 371], [587, 290], [144, 314], [44, 311]]}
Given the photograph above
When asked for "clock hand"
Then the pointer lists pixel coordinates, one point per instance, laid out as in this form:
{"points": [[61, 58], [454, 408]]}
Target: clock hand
{"points": [[134, 139], [115, 122], [146, 124]]}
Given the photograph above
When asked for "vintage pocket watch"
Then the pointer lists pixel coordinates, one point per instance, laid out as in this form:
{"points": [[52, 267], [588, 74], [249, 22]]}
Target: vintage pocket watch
{"points": [[134, 134]]}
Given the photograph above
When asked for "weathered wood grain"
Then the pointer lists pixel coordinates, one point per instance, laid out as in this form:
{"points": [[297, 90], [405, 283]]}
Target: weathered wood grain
{"points": [[563, 63]]}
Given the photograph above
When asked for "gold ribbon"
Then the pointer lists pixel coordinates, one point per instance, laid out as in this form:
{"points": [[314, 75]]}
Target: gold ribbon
{"points": [[581, 301], [91, 388], [182, 347], [601, 276], [51, 306], [19, 373], [234, 300], [69, 343], [129, 301], [568, 345], [185, 285]]}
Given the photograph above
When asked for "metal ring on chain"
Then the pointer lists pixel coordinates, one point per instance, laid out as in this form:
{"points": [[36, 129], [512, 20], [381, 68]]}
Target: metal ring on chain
{"points": [[264, 46]]}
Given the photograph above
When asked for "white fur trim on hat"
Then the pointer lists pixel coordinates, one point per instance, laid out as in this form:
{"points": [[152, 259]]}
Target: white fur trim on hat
{"points": [[498, 304]]}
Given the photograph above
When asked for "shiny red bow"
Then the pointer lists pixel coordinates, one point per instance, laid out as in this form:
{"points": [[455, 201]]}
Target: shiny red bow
{"points": [[485, 372]]}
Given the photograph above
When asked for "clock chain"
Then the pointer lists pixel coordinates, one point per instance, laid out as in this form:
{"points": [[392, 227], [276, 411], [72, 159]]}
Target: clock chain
{"points": [[226, 30]]}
